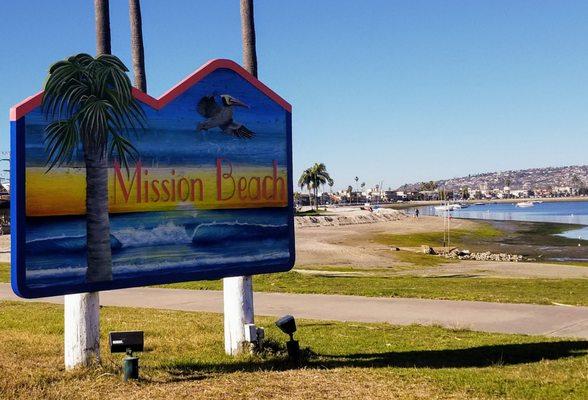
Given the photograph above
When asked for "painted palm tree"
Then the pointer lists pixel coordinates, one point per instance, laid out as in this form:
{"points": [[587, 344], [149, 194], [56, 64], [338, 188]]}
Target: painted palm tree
{"points": [[90, 102], [313, 178], [137, 49]]}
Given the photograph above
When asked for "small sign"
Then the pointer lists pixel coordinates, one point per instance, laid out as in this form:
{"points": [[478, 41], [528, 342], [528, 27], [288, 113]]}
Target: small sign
{"points": [[209, 195], [121, 342]]}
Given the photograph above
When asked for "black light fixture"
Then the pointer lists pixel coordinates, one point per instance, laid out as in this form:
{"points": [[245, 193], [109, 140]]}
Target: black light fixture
{"points": [[287, 324], [127, 342]]}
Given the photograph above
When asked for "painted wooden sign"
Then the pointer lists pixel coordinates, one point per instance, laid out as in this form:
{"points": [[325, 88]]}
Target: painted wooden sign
{"points": [[209, 195]]}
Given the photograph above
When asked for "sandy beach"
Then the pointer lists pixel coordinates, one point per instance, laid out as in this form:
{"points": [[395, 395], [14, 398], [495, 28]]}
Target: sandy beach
{"points": [[321, 244]]}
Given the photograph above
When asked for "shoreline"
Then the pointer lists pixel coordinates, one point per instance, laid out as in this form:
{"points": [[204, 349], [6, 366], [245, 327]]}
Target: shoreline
{"points": [[576, 230], [537, 241], [424, 203]]}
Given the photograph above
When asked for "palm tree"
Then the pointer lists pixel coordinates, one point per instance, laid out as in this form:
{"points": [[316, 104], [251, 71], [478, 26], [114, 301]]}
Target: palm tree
{"points": [[92, 106], [239, 290], [102, 15], [313, 178], [248, 37], [137, 49], [306, 180]]}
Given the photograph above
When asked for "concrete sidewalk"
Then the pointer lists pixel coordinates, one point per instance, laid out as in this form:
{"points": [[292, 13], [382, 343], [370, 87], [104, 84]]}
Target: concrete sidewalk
{"points": [[560, 321]]}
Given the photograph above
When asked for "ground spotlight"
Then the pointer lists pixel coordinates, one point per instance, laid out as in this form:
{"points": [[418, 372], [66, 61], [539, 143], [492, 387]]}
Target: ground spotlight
{"points": [[127, 342], [287, 324]]}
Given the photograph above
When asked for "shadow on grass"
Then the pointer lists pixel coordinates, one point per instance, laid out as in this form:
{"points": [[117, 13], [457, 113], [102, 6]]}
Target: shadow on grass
{"points": [[474, 357]]}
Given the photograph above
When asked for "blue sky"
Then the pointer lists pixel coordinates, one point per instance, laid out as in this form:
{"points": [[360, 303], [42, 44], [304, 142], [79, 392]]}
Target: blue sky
{"points": [[385, 90]]}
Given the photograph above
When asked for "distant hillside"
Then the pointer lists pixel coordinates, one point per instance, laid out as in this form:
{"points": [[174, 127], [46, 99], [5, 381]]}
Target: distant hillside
{"points": [[534, 178]]}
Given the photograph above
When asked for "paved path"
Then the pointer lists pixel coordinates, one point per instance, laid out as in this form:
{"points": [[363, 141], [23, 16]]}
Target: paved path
{"points": [[561, 321]]}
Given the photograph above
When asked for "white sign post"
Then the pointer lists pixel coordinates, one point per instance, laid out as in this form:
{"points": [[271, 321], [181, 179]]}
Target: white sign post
{"points": [[238, 311], [82, 329]]}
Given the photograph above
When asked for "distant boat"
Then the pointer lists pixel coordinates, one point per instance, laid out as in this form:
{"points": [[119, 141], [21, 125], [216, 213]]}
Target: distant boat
{"points": [[448, 207], [525, 204]]}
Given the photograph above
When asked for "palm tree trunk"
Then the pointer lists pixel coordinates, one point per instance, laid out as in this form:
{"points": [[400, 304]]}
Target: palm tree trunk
{"points": [[248, 37], [238, 291], [316, 204], [102, 16], [82, 311], [97, 221], [137, 49]]}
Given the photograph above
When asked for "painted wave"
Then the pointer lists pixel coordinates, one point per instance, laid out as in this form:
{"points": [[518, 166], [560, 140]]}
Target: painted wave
{"points": [[70, 244], [164, 234], [204, 262], [217, 232]]}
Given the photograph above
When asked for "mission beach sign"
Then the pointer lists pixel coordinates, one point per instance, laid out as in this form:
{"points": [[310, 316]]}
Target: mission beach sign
{"points": [[157, 186], [209, 194]]}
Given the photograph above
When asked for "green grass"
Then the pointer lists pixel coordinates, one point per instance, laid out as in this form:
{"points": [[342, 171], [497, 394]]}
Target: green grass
{"points": [[421, 259], [376, 283], [483, 231], [184, 359], [313, 213], [4, 272], [572, 263], [537, 291], [538, 241]]}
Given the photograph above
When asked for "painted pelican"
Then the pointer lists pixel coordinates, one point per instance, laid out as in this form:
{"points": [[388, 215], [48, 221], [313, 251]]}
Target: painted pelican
{"points": [[221, 116]]}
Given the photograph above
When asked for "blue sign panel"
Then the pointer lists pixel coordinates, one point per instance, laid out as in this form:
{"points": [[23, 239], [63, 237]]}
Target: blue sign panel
{"points": [[208, 196]]}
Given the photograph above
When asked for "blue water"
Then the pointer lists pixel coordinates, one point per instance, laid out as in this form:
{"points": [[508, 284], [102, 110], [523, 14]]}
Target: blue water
{"points": [[567, 212], [158, 243]]}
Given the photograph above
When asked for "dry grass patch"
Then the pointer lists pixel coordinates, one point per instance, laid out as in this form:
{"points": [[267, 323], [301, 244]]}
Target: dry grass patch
{"points": [[184, 359]]}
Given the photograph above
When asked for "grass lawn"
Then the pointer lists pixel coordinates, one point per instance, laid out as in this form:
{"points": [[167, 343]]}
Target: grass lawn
{"points": [[484, 231], [537, 291], [4, 272], [184, 359]]}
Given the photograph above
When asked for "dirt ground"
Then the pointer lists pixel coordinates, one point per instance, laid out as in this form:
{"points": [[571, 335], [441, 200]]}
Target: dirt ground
{"points": [[353, 245]]}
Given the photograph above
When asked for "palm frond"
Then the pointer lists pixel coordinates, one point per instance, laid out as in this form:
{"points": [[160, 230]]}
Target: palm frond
{"points": [[62, 139], [123, 148], [91, 102]]}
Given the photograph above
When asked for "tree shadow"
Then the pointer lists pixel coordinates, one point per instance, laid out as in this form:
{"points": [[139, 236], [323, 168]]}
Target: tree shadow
{"points": [[473, 357]]}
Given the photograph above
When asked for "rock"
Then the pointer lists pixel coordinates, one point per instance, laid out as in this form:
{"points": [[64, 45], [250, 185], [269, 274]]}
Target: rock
{"points": [[485, 256], [427, 249]]}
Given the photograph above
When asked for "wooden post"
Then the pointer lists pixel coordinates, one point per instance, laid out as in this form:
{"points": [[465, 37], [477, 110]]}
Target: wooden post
{"points": [[82, 329], [238, 311]]}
